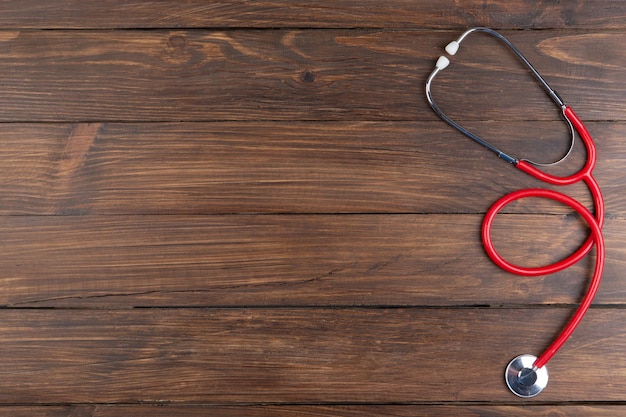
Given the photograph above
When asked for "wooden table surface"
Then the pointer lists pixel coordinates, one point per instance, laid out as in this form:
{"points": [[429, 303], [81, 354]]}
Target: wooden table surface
{"points": [[248, 208]]}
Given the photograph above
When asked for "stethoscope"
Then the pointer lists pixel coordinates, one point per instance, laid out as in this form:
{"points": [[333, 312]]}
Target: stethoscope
{"points": [[527, 375]]}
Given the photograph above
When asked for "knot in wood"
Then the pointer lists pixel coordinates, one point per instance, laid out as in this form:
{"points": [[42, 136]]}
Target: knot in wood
{"points": [[177, 41], [308, 76]]}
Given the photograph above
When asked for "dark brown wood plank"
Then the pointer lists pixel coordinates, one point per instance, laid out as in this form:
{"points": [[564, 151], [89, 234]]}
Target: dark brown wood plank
{"points": [[373, 260], [298, 75], [304, 355], [268, 167], [318, 411], [346, 13]]}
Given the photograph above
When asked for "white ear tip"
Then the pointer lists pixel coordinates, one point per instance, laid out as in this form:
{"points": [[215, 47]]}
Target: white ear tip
{"points": [[442, 62], [452, 47]]}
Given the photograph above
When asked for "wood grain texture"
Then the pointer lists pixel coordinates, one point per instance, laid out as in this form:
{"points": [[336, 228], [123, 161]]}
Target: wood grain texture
{"points": [[248, 208], [316, 411], [370, 260], [302, 355], [288, 167], [298, 75], [321, 14]]}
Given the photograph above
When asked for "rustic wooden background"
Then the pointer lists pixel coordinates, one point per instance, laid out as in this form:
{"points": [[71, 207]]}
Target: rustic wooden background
{"points": [[248, 208]]}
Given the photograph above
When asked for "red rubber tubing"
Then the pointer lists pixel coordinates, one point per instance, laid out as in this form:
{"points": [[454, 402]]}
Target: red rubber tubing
{"points": [[595, 224]]}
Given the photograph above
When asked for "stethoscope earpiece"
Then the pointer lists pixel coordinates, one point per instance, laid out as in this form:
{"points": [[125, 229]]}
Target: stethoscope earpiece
{"points": [[452, 48]]}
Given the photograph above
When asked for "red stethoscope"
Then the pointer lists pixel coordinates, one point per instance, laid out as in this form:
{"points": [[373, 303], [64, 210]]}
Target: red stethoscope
{"points": [[527, 375]]}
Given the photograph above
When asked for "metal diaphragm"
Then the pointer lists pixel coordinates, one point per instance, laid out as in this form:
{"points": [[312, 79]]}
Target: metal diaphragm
{"points": [[523, 379]]}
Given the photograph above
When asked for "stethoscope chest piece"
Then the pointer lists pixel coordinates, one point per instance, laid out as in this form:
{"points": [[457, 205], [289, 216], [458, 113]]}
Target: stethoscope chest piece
{"points": [[523, 378]]}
